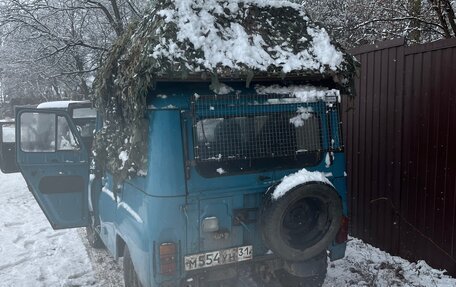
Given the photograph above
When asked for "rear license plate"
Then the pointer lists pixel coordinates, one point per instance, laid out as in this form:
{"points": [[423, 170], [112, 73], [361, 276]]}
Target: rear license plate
{"points": [[220, 257]]}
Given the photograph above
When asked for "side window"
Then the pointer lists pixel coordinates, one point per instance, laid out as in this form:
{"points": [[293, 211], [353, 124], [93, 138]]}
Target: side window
{"points": [[38, 132], [42, 132], [65, 138], [8, 133], [84, 113]]}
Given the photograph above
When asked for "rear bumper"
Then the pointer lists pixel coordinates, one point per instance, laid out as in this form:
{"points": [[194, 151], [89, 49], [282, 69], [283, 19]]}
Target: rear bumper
{"points": [[259, 270]]}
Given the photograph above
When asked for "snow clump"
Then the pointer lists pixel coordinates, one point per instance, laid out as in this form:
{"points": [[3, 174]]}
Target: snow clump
{"points": [[123, 156], [305, 93], [291, 181], [223, 89], [221, 171], [232, 45], [303, 115]]}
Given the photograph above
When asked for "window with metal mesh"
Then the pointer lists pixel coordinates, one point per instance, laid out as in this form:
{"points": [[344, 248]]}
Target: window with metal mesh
{"points": [[257, 127]]}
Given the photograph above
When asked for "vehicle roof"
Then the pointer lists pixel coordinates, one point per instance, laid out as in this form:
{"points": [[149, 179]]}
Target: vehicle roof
{"points": [[7, 120], [58, 104]]}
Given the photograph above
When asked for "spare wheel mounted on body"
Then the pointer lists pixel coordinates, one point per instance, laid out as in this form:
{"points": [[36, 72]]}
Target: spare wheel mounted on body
{"points": [[303, 222]]}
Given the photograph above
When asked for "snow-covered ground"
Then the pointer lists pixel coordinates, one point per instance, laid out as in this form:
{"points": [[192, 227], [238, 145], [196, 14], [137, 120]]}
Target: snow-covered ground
{"points": [[32, 254]]}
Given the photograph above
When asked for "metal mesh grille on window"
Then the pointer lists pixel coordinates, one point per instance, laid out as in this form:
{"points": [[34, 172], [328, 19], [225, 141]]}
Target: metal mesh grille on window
{"points": [[256, 126]]}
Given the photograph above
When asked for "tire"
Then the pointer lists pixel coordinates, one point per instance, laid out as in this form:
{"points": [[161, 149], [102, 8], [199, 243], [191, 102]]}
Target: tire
{"points": [[130, 277], [303, 222]]}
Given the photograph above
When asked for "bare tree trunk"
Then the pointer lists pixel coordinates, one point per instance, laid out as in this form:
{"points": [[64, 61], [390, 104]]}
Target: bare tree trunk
{"points": [[439, 10], [84, 89], [450, 14], [115, 21], [117, 16]]}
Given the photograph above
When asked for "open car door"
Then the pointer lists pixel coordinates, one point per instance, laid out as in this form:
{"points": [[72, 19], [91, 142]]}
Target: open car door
{"points": [[8, 147], [54, 162]]}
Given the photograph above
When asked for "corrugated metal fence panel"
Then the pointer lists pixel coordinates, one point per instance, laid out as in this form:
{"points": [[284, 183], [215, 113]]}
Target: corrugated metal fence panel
{"points": [[373, 139], [399, 130], [429, 171]]}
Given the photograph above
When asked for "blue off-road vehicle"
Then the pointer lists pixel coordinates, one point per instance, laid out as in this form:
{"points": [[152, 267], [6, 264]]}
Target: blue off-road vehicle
{"points": [[209, 168]]}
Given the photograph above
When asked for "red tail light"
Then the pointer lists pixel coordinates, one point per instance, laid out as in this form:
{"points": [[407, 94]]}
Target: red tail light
{"points": [[168, 255], [342, 235]]}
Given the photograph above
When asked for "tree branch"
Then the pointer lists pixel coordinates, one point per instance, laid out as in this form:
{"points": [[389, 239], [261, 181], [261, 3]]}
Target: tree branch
{"points": [[108, 15], [396, 20]]}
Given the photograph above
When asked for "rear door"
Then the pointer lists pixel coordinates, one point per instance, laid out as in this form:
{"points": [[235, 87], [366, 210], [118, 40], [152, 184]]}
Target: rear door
{"points": [[54, 162], [8, 147]]}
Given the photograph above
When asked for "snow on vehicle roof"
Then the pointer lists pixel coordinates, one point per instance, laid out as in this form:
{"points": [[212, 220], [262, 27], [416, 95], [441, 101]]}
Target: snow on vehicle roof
{"points": [[236, 39], [246, 33], [57, 104], [184, 37], [202, 40]]}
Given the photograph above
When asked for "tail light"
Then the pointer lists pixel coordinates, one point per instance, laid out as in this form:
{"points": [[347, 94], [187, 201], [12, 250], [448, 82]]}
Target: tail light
{"points": [[168, 258], [342, 235]]}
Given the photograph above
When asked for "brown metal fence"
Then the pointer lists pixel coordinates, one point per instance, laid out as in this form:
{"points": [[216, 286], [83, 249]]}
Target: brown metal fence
{"points": [[400, 133]]}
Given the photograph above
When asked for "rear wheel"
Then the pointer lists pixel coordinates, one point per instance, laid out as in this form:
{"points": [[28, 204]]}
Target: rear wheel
{"points": [[303, 222], [130, 276]]}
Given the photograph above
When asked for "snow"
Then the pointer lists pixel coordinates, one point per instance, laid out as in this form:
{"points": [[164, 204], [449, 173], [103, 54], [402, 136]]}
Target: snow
{"points": [[303, 115], [141, 172], [223, 89], [324, 51], [365, 265], [221, 171], [108, 192], [32, 254], [291, 181], [57, 104], [235, 47], [304, 93], [123, 156], [327, 160]]}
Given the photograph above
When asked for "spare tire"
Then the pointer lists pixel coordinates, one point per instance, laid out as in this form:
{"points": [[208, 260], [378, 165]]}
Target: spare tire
{"points": [[303, 222]]}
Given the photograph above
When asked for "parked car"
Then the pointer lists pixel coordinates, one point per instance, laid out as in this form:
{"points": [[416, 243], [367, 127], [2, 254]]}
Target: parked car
{"points": [[207, 201]]}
